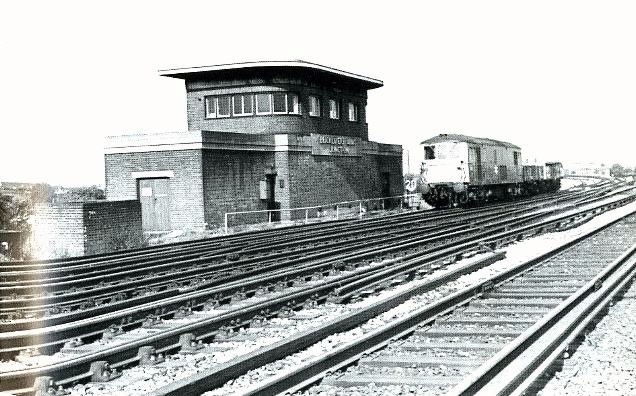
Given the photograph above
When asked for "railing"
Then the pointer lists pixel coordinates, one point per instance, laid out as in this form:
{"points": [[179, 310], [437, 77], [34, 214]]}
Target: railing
{"points": [[337, 211]]}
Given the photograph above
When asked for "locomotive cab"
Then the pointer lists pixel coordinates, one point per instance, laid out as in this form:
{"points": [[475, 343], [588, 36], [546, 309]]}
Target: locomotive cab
{"points": [[445, 172], [459, 170], [445, 162]]}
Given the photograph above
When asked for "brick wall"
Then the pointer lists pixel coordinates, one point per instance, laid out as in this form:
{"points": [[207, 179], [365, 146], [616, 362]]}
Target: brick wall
{"points": [[281, 123], [83, 228], [231, 182], [318, 180], [112, 225], [57, 230], [224, 174], [186, 186]]}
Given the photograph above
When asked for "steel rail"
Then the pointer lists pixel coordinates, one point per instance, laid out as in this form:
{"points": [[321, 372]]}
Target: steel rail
{"points": [[250, 236], [102, 310], [311, 372], [250, 252], [308, 262], [203, 329], [285, 240], [9, 287], [527, 352], [347, 253]]}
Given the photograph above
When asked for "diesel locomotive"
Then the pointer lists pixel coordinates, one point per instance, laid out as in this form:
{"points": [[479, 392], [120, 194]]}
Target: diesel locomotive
{"points": [[460, 170]]}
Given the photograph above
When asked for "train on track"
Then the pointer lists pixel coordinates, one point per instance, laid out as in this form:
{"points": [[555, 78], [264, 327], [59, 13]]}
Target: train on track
{"points": [[460, 170]]}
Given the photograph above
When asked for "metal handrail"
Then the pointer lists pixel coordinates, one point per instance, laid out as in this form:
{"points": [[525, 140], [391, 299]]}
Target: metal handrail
{"points": [[308, 208]]}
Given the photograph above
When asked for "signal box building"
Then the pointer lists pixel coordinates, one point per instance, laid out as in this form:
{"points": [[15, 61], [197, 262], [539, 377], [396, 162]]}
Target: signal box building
{"points": [[262, 135]]}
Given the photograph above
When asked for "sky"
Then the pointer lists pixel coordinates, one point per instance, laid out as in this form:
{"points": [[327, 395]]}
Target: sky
{"points": [[556, 77]]}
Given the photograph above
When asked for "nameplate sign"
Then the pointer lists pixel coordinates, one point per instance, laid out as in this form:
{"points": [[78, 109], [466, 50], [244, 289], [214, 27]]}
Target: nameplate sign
{"points": [[343, 146]]}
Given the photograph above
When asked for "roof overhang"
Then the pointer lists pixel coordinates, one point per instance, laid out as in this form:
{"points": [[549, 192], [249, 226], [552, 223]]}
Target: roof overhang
{"points": [[211, 71]]}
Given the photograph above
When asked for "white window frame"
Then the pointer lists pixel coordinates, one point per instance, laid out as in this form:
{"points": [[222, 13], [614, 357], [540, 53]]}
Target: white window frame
{"points": [[284, 100], [334, 109], [314, 106], [229, 107], [212, 103], [353, 112], [210, 100], [271, 104], [295, 103], [242, 112]]}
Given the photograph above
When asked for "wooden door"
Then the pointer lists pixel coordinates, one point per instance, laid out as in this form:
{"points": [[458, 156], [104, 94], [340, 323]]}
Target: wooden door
{"points": [[154, 195]]}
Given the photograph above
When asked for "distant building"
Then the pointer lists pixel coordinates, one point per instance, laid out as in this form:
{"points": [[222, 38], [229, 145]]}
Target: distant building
{"points": [[587, 169], [261, 135]]}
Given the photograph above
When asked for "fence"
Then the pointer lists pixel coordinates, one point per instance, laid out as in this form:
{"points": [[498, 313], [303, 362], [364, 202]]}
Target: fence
{"points": [[339, 210]]}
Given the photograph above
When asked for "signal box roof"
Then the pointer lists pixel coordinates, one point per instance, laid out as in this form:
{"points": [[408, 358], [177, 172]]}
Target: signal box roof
{"points": [[264, 67], [445, 137]]}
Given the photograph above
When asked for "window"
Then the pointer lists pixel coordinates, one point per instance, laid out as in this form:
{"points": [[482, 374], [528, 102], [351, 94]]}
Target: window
{"points": [[429, 152], [293, 106], [280, 103], [263, 104], [314, 106], [223, 106], [210, 106], [217, 106], [516, 157], [353, 112], [243, 104], [334, 109]]}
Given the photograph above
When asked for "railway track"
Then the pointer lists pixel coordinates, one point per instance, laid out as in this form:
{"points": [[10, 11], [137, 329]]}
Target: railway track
{"points": [[97, 298], [495, 337], [39, 270], [20, 280], [168, 340]]}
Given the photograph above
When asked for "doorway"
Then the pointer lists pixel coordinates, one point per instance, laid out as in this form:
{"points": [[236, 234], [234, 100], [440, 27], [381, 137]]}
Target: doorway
{"points": [[154, 195], [270, 182]]}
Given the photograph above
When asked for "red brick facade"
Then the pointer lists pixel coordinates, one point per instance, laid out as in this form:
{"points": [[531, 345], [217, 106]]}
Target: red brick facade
{"points": [[227, 164], [224, 172], [301, 123]]}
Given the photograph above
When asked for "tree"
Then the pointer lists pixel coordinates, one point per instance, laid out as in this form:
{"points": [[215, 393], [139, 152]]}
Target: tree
{"points": [[5, 211], [14, 213], [79, 194], [617, 170]]}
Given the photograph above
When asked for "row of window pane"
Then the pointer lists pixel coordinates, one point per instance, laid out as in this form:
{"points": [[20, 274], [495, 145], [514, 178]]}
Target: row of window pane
{"points": [[266, 103], [270, 103], [334, 109]]}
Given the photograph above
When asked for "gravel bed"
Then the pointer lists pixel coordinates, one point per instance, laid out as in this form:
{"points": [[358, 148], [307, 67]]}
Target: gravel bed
{"points": [[481, 339], [605, 363], [496, 314], [477, 326], [435, 352], [373, 390], [441, 370]]}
